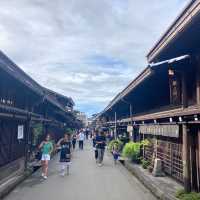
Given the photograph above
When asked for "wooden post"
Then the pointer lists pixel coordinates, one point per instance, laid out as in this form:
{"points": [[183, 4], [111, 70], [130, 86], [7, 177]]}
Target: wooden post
{"points": [[115, 133], [143, 147], [184, 90], [198, 84], [186, 159], [198, 159], [27, 141], [132, 138]]}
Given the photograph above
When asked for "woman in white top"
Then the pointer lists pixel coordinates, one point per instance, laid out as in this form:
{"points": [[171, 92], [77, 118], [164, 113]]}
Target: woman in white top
{"points": [[81, 137]]}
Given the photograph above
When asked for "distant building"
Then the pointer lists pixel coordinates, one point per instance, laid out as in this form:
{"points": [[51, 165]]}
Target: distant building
{"points": [[82, 117]]}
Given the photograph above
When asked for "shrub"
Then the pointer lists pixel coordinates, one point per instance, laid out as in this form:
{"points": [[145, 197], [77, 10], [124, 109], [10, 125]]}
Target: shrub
{"points": [[145, 142], [132, 151], [182, 195], [117, 143]]}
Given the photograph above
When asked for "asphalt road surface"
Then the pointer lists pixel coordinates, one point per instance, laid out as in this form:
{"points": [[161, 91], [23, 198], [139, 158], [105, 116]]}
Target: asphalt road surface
{"points": [[86, 181]]}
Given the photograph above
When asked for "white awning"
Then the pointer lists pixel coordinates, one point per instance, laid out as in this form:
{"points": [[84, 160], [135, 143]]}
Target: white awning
{"points": [[170, 61]]}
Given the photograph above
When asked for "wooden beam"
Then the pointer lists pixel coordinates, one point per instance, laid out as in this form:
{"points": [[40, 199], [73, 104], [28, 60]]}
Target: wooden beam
{"points": [[192, 110]]}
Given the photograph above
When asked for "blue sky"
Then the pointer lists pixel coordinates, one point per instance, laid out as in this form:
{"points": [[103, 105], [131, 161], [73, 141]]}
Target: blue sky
{"points": [[87, 49]]}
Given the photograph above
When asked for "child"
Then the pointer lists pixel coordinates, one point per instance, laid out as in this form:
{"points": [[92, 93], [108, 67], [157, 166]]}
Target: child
{"points": [[115, 153]]}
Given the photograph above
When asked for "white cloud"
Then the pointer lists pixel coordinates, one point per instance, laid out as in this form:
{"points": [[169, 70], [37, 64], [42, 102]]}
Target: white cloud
{"points": [[87, 49]]}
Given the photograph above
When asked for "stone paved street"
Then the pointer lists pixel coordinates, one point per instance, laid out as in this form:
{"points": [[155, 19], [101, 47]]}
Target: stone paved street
{"points": [[86, 181]]}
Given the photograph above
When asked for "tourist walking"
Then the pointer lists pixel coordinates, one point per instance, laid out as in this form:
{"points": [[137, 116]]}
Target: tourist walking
{"points": [[65, 153], [87, 132], [94, 145], [81, 138], [74, 137], [46, 147], [100, 145]]}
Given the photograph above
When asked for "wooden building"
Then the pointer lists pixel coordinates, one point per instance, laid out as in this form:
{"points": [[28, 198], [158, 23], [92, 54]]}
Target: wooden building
{"points": [[23, 103], [163, 102]]}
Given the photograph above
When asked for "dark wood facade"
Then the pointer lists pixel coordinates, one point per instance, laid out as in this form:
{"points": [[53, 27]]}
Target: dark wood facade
{"points": [[167, 95], [24, 104]]}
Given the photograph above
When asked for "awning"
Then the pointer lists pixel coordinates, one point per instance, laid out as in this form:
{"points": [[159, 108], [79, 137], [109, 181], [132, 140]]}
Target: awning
{"points": [[160, 130], [170, 61]]}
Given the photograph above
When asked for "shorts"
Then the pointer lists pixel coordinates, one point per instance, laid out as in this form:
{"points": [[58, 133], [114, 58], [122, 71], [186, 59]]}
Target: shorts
{"points": [[45, 157]]}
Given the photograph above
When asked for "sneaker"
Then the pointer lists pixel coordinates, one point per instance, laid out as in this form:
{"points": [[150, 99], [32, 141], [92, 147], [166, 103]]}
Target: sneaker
{"points": [[45, 177], [42, 175]]}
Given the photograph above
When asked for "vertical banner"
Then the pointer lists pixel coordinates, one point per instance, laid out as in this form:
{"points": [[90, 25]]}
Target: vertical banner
{"points": [[20, 132]]}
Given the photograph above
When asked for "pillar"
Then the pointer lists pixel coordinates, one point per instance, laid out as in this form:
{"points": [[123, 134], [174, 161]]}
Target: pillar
{"points": [[186, 159], [198, 159], [198, 85], [27, 141], [184, 90]]}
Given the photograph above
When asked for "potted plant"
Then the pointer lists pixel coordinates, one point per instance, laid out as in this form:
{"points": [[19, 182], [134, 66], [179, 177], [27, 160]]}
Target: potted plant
{"points": [[117, 143]]}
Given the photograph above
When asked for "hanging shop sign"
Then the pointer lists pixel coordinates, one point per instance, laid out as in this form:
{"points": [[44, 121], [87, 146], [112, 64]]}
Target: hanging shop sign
{"points": [[162, 130], [20, 132]]}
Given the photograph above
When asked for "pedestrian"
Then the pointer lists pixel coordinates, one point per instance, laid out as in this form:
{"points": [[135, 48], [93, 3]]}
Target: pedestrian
{"points": [[100, 144], [81, 138], [74, 137], [46, 147], [65, 153], [95, 146], [87, 132]]}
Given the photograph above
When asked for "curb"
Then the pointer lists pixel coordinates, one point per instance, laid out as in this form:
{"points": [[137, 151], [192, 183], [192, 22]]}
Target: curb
{"points": [[12, 183], [157, 192]]}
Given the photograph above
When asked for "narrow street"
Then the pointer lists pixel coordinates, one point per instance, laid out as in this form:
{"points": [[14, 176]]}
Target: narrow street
{"points": [[86, 181]]}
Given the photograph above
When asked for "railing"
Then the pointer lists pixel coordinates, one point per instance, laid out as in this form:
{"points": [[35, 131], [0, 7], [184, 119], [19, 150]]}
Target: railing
{"points": [[171, 156]]}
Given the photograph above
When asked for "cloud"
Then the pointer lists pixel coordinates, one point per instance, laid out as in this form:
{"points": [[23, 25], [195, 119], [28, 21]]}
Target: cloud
{"points": [[89, 50]]}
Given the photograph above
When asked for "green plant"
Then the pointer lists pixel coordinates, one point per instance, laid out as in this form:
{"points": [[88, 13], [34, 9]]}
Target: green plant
{"points": [[145, 163], [37, 132], [69, 131], [132, 151], [145, 142], [182, 195], [117, 143]]}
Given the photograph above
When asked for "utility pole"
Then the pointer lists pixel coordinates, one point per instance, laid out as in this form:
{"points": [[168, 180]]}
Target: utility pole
{"points": [[115, 133]]}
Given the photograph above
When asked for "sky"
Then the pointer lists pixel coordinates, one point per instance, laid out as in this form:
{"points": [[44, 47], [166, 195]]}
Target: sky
{"points": [[86, 49]]}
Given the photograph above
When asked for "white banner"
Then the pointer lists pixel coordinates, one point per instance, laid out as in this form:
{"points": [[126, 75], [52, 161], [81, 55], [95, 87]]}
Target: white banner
{"points": [[164, 130], [129, 129], [20, 132]]}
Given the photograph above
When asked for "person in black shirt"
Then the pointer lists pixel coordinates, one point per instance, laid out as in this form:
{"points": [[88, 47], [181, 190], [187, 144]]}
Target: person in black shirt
{"points": [[74, 137], [65, 153], [95, 145], [100, 145]]}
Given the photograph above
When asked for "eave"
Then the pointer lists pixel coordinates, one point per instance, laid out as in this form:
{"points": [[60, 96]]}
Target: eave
{"points": [[177, 112], [177, 27]]}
